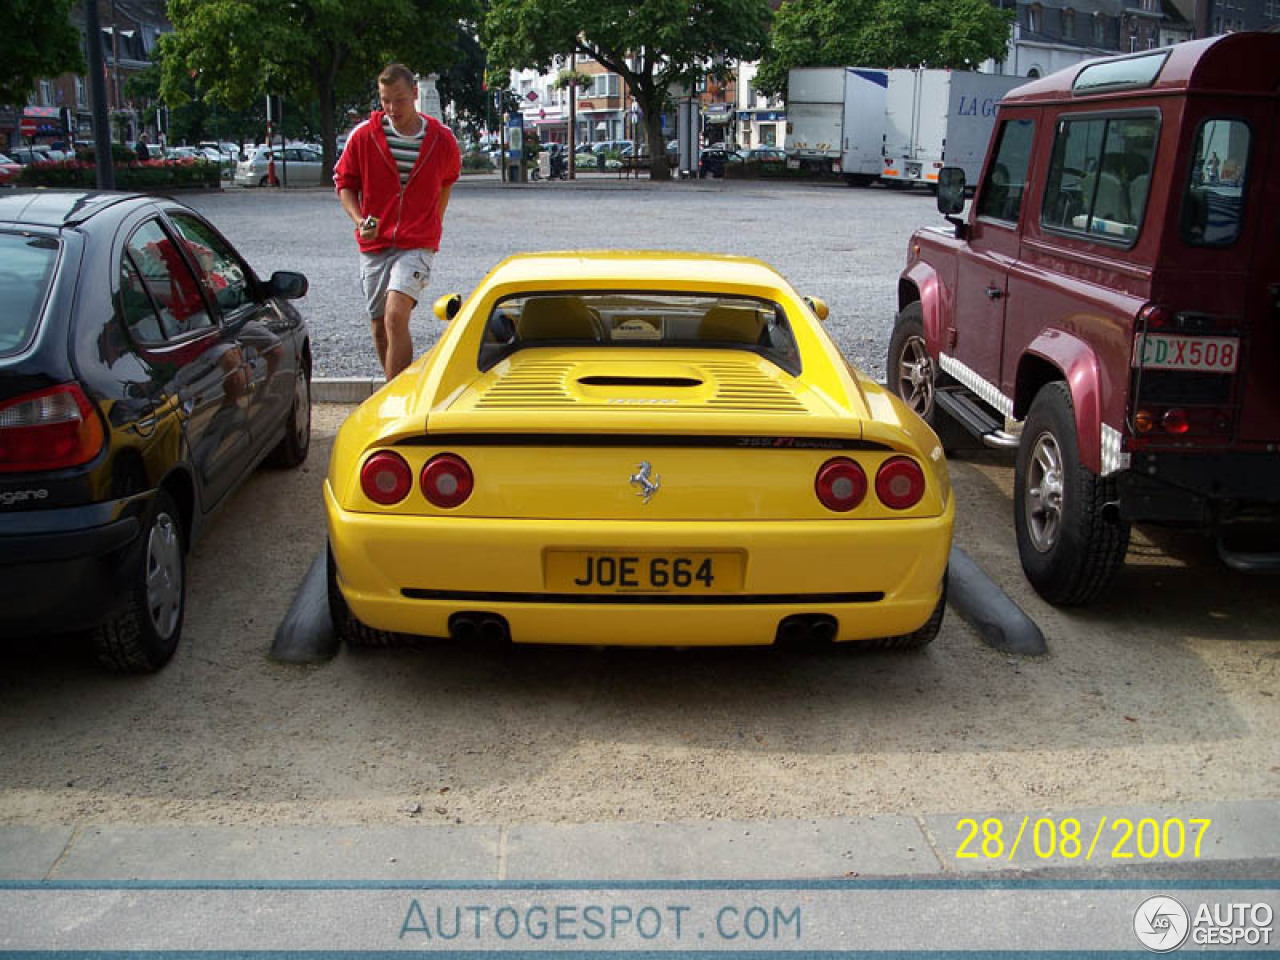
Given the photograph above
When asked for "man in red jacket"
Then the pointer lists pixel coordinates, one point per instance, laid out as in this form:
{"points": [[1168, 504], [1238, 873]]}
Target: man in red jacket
{"points": [[394, 181]]}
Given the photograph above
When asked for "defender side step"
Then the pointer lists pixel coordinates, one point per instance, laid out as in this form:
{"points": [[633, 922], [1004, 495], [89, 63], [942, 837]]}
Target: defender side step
{"points": [[961, 407]]}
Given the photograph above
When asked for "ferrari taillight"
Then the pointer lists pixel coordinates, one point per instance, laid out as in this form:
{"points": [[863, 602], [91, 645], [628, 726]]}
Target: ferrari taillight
{"points": [[840, 484], [899, 483], [386, 478], [446, 480], [49, 430]]}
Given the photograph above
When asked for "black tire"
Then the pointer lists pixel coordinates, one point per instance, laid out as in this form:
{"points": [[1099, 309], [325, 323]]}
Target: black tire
{"points": [[142, 635], [293, 447], [913, 375], [917, 639], [345, 623], [1070, 544]]}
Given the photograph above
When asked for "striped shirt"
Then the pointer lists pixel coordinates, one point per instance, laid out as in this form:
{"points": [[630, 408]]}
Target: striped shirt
{"points": [[403, 149]]}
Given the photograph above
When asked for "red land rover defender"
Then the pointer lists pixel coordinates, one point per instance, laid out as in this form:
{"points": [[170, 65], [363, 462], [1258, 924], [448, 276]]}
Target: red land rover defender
{"points": [[1111, 307]]}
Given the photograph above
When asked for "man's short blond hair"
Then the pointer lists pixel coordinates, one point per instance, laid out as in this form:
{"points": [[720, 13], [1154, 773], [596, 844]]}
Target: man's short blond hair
{"points": [[396, 73]]}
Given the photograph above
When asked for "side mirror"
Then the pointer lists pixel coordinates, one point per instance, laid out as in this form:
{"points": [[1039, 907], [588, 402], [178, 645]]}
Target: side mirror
{"points": [[818, 306], [950, 190], [288, 285], [447, 307]]}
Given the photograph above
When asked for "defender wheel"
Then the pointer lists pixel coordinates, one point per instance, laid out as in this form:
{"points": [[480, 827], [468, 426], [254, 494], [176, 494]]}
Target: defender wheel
{"points": [[917, 639], [345, 623], [1069, 543], [292, 449], [913, 375], [143, 634]]}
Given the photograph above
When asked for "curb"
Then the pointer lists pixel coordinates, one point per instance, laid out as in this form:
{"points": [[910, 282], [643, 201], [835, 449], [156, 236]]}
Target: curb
{"points": [[344, 389]]}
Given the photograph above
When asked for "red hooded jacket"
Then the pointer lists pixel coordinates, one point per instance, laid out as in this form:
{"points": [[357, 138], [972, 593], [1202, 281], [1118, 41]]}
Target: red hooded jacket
{"points": [[408, 216]]}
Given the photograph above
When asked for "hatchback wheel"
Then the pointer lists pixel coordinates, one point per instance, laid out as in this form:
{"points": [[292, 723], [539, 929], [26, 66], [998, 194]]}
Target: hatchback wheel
{"points": [[143, 634], [1071, 539], [292, 449]]}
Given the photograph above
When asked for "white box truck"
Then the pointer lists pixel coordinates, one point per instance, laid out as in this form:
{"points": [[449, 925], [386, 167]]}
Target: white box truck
{"points": [[939, 117], [835, 120]]}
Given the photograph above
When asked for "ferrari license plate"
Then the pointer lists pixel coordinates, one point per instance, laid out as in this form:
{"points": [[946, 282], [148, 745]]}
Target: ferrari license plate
{"points": [[1163, 351], [590, 571]]}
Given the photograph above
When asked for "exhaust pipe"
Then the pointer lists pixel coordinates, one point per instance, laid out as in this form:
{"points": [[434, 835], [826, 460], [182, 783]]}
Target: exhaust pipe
{"points": [[494, 630], [822, 629], [463, 628], [791, 630]]}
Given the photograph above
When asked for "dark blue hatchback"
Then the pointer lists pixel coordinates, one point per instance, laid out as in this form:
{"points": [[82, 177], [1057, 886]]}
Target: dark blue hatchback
{"points": [[145, 371]]}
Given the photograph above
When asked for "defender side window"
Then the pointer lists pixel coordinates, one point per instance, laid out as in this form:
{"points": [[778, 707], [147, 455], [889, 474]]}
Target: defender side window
{"points": [[1100, 176], [1007, 176], [1213, 204]]}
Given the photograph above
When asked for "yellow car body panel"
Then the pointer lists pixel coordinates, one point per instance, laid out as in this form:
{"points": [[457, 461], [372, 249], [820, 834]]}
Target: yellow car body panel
{"points": [[554, 435]]}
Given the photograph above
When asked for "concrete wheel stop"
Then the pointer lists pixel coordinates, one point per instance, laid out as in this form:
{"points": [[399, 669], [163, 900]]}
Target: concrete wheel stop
{"points": [[1000, 622], [306, 635]]}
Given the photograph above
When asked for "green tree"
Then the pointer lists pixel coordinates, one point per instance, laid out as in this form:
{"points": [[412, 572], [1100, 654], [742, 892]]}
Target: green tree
{"points": [[651, 44], [882, 33], [326, 52], [40, 41]]}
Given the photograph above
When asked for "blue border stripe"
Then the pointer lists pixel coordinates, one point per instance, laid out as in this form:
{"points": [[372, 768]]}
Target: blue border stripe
{"points": [[852, 884]]}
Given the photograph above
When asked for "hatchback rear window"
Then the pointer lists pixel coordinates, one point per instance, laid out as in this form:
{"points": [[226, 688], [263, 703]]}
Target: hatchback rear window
{"points": [[1213, 205], [26, 269], [639, 319]]}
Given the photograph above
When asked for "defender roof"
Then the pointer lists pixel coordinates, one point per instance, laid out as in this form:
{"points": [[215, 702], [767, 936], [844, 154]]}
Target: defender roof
{"points": [[1238, 63]]}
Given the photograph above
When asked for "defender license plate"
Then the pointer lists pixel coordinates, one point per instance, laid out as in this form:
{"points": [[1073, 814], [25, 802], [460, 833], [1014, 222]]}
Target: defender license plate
{"points": [[1162, 351], [589, 571]]}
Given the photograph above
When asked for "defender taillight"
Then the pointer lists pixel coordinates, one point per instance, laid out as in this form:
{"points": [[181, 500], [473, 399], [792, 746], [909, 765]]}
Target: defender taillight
{"points": [[899, 483], [385, 478], [446, 480], [840, 484], [1175, 421], [1154, 317], [50, 429]]}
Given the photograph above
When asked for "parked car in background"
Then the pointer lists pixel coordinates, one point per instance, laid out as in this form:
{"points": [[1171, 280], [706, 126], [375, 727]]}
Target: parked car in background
{"points": [[26, 155], [642, 449], [295, 167], [9, 170], [145, 371], [712, 161], [764, 155]]}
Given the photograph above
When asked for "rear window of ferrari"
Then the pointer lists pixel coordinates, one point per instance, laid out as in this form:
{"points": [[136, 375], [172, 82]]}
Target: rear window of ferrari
{"points": [[26, 269], [640, 319]]}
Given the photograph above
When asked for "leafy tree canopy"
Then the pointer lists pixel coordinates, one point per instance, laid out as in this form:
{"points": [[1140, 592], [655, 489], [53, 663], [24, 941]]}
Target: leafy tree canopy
{"points": [[40, 41], [882, 33], [651, 44], [323, 51]]}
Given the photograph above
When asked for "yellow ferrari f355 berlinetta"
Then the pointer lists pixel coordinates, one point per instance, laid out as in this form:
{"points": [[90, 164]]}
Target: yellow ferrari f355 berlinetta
{"points": [[637, 448]]}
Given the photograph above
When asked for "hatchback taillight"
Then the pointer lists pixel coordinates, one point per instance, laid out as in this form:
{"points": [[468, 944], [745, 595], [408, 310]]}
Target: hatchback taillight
{"points": [[446, 480], [50, 429], [840, 484], [386, 478], [899, 483]]}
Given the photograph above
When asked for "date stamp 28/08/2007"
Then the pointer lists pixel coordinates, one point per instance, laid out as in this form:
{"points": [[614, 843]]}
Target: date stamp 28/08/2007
{"points": [[1067, 838]]}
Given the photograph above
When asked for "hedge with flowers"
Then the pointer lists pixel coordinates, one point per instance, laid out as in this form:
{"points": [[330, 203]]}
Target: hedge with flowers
{"points": [[131, 174]]}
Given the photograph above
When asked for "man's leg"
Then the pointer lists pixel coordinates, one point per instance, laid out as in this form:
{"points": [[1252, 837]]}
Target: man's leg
{"points": [[380, 342], [395, 329]]}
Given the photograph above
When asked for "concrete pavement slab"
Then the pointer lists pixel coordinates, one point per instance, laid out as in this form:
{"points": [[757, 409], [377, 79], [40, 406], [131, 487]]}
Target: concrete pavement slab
{"points": [[773, 849], [29, 853], [124, 853]]}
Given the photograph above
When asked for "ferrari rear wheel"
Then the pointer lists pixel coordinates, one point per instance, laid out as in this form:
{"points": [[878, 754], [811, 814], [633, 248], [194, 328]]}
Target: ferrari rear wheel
{"points": [[345, 623], [917, 639]]}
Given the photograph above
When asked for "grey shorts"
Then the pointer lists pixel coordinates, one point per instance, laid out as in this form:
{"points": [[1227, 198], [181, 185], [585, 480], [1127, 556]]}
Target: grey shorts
{"points": [[393, 269]]}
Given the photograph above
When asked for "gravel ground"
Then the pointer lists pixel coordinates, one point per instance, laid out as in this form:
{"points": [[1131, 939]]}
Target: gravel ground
{"points": [[844, 245]]}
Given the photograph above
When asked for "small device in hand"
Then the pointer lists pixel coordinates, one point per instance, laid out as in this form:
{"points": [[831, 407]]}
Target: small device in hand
{"points": [[369, 223]]}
